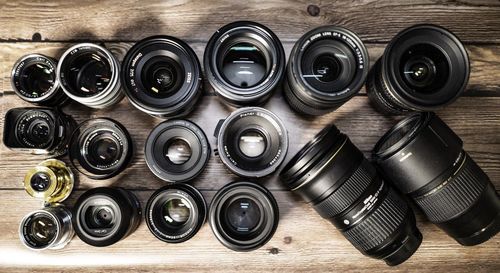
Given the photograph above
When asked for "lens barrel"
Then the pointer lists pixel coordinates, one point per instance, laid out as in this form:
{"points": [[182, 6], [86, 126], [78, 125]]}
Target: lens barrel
{"points": [[425, 159], [327, 66], [243, 216], [343, 187], [244, 63], [51, 181], [104, 216], [162, 76], [424, 67]]}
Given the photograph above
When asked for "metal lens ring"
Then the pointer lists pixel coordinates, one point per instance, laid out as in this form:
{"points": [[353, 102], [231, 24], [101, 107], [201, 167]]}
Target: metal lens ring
{"points": [[51, 181]]}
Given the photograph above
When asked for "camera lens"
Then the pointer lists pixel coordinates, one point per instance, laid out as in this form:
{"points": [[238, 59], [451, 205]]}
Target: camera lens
{"points": [[162, 76], [89, 74], [48, 228], [252, 142], [327, 66], [51, 180], [175, 213], [423, 68], [243, 216], [343, 187], [103, 216], [100, 148], [177, 151], [244, 63], [451, 189], [34, 80]]}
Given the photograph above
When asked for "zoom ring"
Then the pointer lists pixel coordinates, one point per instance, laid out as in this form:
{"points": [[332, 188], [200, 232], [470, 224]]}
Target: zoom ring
{"points": [[455, 197], [380, 224], [299, 106], [378, 92]]}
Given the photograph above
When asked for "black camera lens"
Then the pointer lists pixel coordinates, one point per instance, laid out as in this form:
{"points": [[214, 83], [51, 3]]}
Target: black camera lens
{"points": [[244, 63], [175, 213], [34, 80], [100, 148], [425, 159], [89, 74], [327, 66], [162, 76], [343, 187], [177, 151], [252, 142], [243, 216], [43, 131], [423, 68], [103, 216]]}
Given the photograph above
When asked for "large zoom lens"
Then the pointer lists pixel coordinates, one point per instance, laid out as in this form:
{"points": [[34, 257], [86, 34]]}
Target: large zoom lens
{"points": [[100, 148], [161, 76], [34, 80], [344, 188], [423, 68], [177, 151], [244, 63], [175, 213], [103, 216], [51, 181], [89, 74], [252, 142], [424, 158], [327, 67], [43, 131], [48, 228], [243, 216]]}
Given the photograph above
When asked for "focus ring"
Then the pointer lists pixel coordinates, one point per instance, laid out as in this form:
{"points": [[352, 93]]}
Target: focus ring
{"points": [[456, 196], [299, 106], [378, 92], [380, 224]]}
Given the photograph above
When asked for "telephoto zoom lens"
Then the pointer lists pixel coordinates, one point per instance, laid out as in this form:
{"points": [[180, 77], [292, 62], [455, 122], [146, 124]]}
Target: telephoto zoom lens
{"points": [[34, 80], [327, 66], [252, 142], [47, 228], [51, 181], [104, 216], [425, 160], [244, 63], [176, 212], [40, 131], [177, 151], [331, 173], [423, 68], [162, 76], [100, 148], [89, 74], [243, 216]]}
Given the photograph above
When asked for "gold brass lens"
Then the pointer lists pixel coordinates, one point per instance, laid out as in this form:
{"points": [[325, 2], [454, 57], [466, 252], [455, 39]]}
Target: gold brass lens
{"points": [[51, 181]]}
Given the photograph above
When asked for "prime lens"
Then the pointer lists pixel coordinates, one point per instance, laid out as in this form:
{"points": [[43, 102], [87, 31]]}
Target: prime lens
{"points": [[333, 176], [425, 159], [244, 63], [51, 181]]}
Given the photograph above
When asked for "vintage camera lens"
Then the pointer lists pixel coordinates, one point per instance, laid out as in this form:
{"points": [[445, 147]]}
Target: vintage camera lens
{"points": [[175, 213], [162, 76], [34, 80], [177, 151], [43, 131], [343, 187], [243, 216], [100, 148], [244, 63], [51, 181], [48, 228], [423, 68], [252, 142], [104, 216], [425, 159], [89, 74], [327, 66]]}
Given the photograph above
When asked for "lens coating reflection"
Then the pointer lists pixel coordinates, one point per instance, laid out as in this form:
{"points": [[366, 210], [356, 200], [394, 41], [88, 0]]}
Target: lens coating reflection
{"points": [[103, 150], [37, 79], [243, 215], [40, 182], [42, 229], [327, 68], [176, 211], [178, 151], [89, 73], [244, 65], [252, 143]]}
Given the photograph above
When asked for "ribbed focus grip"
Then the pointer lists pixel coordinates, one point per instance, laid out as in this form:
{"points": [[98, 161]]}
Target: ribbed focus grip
{"points": [[348, 193], [455, 197], [299, 106], [381, 223]]}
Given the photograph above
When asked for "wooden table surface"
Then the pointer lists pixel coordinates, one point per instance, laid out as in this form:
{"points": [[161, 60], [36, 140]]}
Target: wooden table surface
{"points": [[303, 241]]}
